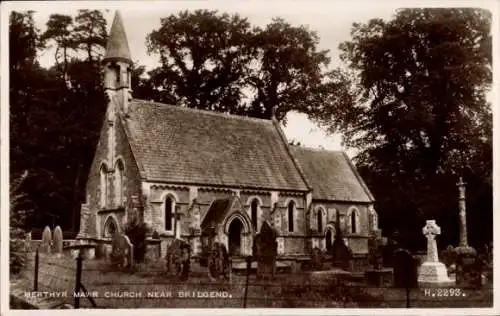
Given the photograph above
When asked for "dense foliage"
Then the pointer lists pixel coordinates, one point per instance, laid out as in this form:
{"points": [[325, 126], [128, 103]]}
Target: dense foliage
{"points": [[220, 62], [413, 104], [55, 114]]}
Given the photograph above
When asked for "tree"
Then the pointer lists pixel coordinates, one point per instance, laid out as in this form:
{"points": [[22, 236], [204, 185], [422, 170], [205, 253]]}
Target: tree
{"points": [[59, 30], [17, 224], [90, 33], [220, 62], [287, 71], [54, 127], [204, 59], [415, 107]]}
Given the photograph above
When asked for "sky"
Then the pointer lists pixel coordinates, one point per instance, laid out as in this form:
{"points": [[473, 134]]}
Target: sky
{"points": [[332, 20]]}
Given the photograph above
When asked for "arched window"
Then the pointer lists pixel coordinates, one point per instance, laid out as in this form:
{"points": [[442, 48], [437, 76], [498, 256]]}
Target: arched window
{"points": [[119, 183], [103, 185], [353, 220], [291, 217], [254, 213], [353, 223], [169, 208], [320, 220]]}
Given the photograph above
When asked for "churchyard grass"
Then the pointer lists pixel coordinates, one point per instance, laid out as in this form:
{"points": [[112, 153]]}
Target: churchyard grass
{"points": [[286, 290]]}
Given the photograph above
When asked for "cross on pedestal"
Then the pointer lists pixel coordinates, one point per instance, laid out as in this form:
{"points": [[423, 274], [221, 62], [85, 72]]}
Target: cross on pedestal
{"points": [[430, 230]]}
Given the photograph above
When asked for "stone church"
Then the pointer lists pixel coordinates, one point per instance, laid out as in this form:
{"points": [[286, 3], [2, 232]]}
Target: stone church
{"points": [[182, 170]]}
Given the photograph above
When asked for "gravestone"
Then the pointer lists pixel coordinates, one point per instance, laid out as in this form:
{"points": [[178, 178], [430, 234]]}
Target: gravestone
{"points": [[389, 249], [57, 246], [432, 272], [265, 251], [449, 255], [122, 251], [27, 242], [378, 275], [317, 260], [219, 263], [178, 258], [469, 271], [46, 240], [101, 251], [405, 269], [376, 258], [341, 254]]}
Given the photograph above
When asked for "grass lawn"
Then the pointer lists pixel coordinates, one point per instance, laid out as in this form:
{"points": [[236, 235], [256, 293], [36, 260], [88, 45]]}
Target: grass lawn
{"points": [[150, 287]]}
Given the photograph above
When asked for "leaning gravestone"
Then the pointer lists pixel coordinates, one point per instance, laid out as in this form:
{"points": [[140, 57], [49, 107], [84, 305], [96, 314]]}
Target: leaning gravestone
{"points": [[46, 240], [57, 246], [265, 251]]}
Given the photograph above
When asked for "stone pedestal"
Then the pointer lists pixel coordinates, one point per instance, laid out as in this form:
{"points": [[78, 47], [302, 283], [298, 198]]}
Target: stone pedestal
{"points": [[432, 274]]}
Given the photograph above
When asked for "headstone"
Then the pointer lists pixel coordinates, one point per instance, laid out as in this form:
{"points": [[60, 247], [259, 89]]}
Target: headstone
{"points": [[219, 263], [376, 258], [449, 255], [265, 251], [405, 269], [101, 251], [178, 258], [129, 252], [341, 254], [27, 242], [46, 240], [122, 251], [58, 241], [317, 259], [432, 272], [389, 248]]}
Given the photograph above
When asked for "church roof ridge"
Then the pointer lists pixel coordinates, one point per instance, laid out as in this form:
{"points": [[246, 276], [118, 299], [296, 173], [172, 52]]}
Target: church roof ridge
{"points": [[117, 44], [202, 111], [315, 149]]}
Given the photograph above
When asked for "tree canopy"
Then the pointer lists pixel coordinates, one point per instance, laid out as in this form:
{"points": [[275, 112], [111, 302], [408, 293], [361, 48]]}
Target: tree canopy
{"points": [[219, 62], [55, 114], [414, 106]]}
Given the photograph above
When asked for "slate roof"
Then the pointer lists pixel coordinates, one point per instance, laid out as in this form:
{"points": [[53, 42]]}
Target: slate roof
{"points": [[331, 175], [117, 44], [181, 145]]}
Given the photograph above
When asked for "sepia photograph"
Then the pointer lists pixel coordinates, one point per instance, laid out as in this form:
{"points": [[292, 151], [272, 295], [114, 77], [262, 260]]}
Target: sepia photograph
{"points": [[313, 156]]}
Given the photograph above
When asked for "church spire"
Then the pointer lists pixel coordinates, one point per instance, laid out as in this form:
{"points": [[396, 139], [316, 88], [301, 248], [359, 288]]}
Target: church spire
{"points": [[117, 67], [117, 47]]}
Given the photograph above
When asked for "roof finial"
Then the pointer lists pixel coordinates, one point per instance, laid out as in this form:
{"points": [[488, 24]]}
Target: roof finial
{"points": [[117, 46]]}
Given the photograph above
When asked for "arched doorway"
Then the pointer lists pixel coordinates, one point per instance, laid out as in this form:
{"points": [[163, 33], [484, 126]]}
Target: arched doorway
{"points": [[234, 232], [110, 227]]}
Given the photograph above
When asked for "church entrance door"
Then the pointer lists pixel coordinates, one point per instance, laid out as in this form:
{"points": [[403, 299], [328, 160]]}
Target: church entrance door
{"points": [[235, 230]]}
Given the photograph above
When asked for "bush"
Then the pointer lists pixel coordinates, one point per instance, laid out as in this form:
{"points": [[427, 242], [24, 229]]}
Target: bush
{"points": [[136, 232], [17, 252]]}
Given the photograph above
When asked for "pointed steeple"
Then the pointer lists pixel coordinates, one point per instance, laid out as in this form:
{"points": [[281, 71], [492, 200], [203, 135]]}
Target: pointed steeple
{"points": [[117, 47]]}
